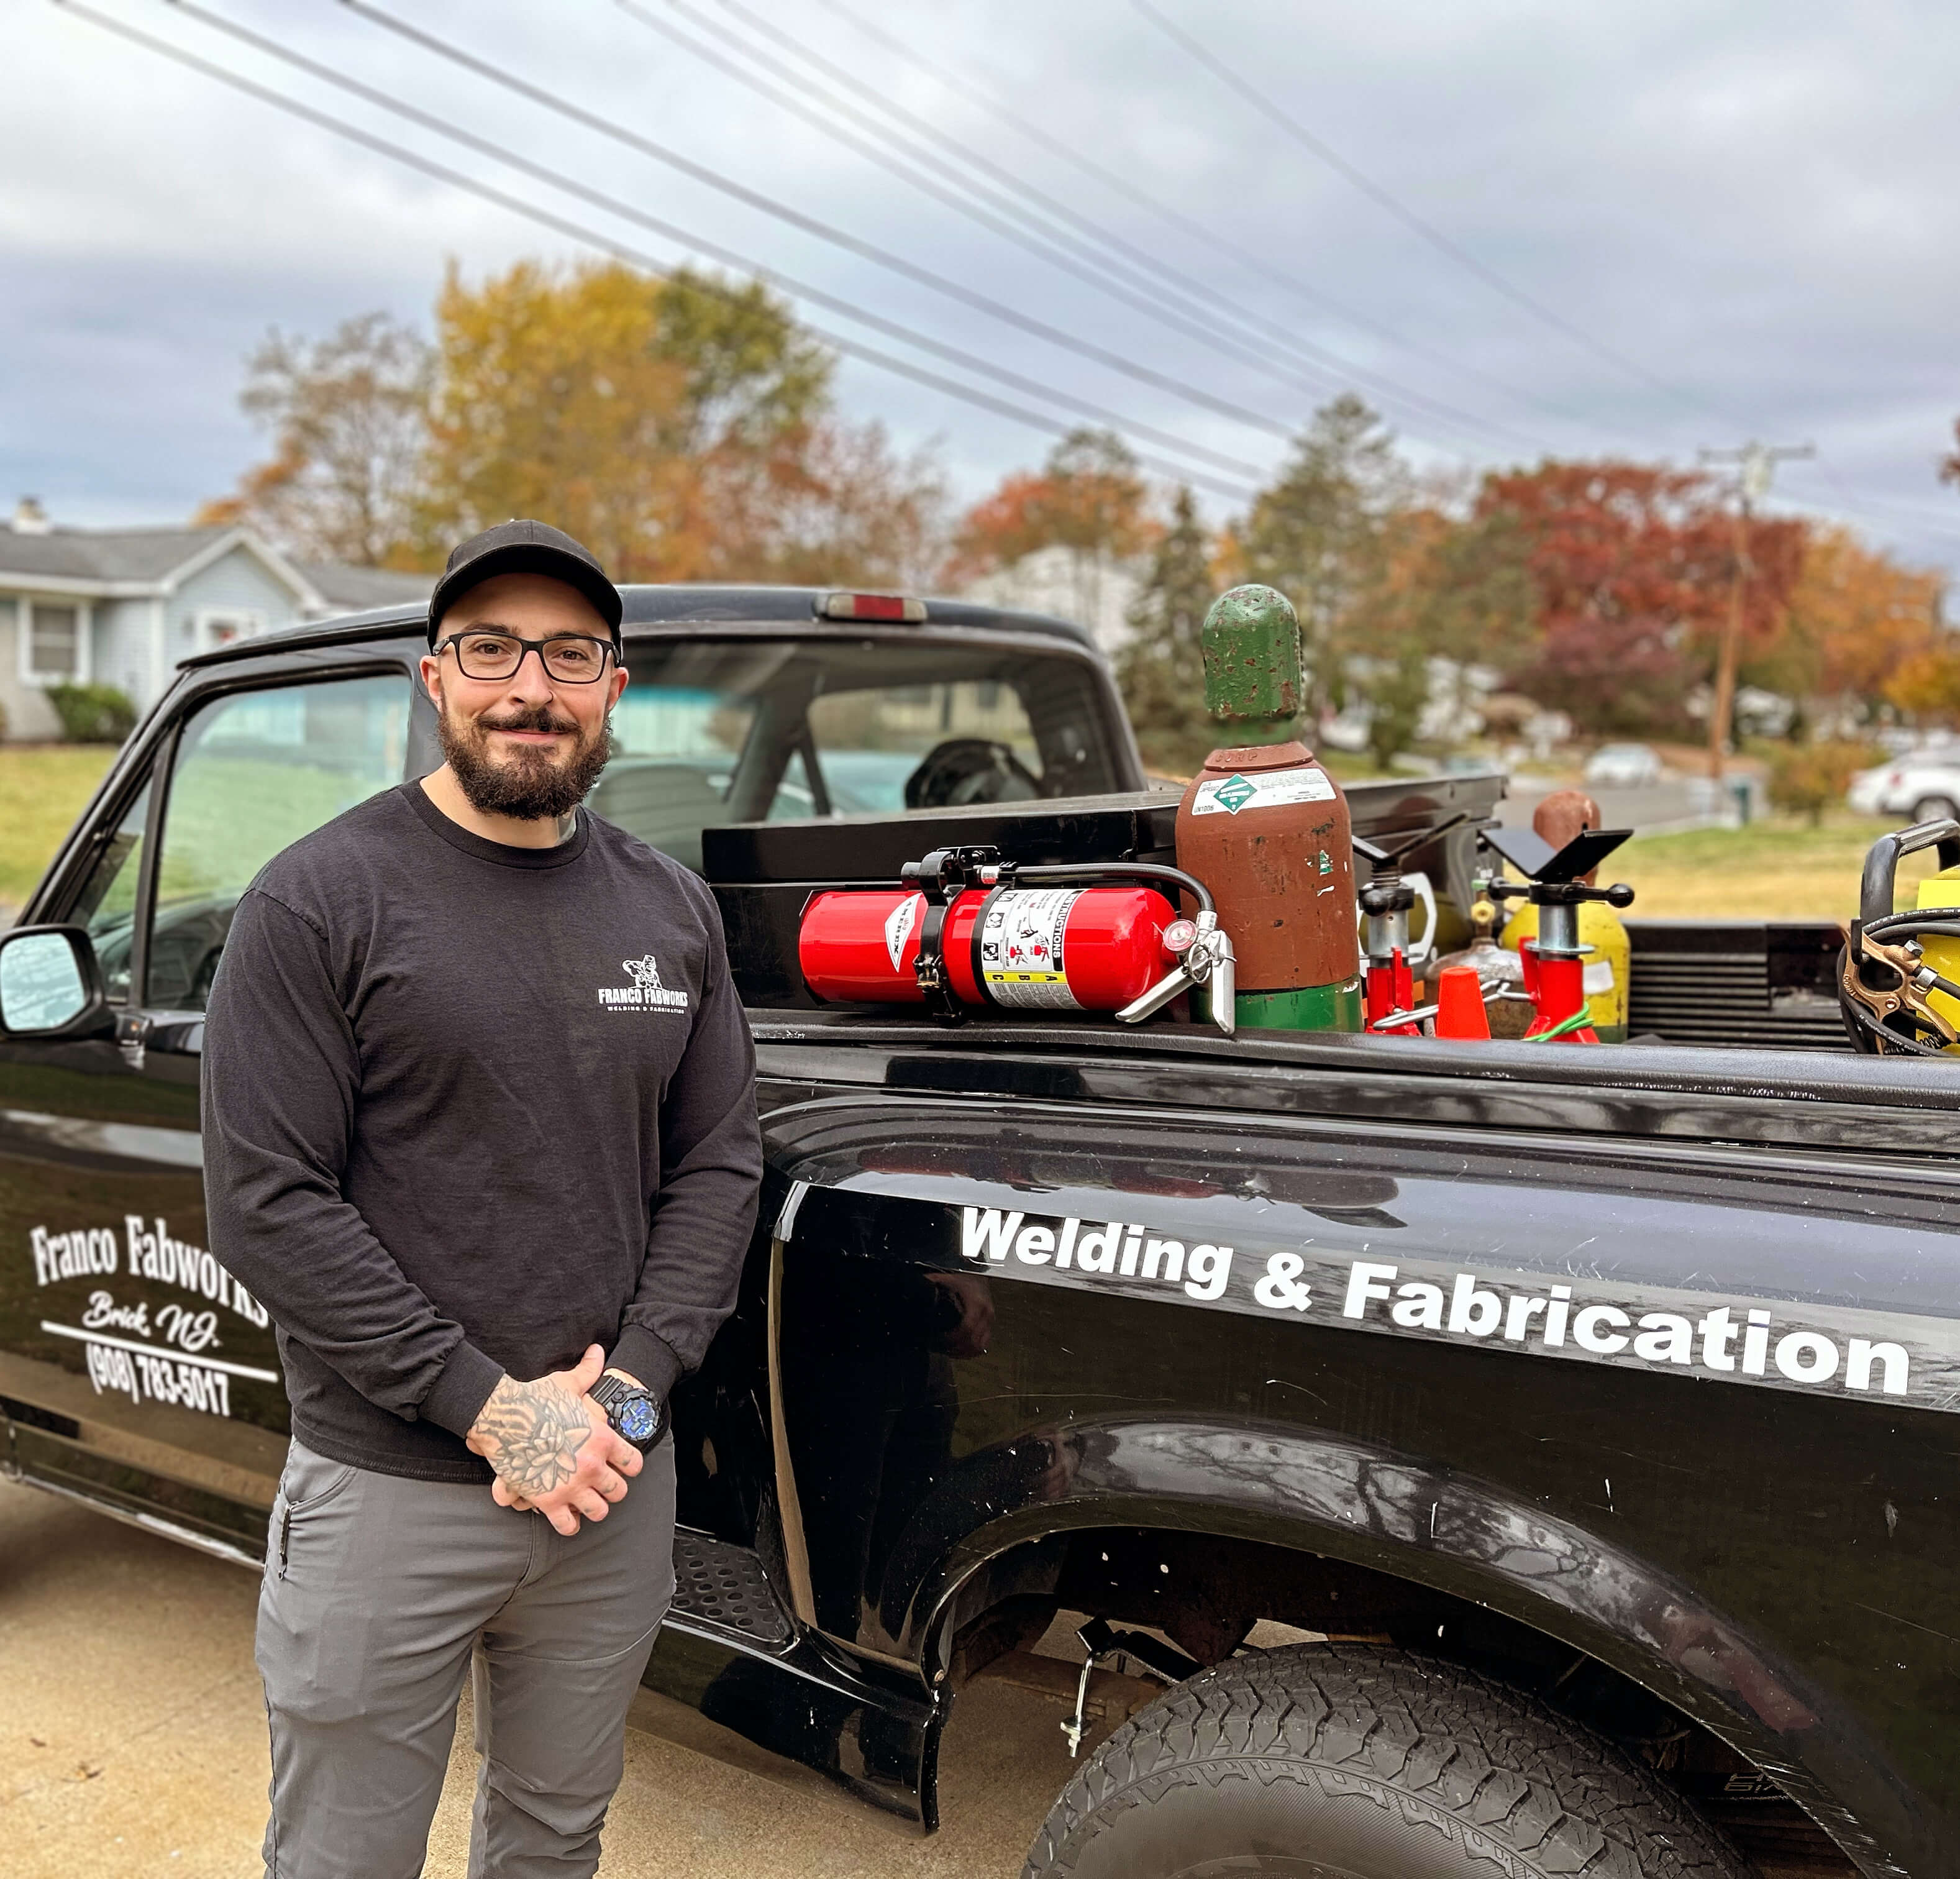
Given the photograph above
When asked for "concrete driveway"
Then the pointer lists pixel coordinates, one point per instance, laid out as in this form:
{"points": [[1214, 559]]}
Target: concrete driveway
{"points": [[132, 1740]]}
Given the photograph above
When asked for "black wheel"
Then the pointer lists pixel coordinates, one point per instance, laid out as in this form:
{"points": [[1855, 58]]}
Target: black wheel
{"points": [[1350, 1762], [1936, 809]]}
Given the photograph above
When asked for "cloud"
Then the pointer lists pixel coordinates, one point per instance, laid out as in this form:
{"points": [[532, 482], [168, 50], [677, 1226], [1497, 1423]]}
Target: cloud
{"points": [[1749, 204]]}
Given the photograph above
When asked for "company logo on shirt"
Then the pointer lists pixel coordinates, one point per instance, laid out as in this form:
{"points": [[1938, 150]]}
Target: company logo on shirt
{"points": [[645, 993]]}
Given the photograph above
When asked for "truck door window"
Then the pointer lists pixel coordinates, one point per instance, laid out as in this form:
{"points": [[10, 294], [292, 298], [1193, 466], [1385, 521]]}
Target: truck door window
{"points": [[254, 771], [107, 905]]}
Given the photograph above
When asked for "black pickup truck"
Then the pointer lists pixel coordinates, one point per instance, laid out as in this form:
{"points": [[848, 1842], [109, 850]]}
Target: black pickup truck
{"points": [[1560, 1426]]}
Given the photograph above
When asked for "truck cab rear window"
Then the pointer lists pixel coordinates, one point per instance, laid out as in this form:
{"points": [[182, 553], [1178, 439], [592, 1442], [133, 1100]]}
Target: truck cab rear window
{"points": [[714, 731]]}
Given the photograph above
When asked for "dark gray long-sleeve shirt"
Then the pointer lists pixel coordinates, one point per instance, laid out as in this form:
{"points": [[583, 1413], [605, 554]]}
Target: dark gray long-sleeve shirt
{"points": [[469, 1109]]}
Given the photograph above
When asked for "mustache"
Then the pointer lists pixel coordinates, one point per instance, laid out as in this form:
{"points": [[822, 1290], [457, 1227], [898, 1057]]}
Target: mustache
{"points": [[537, 718]]}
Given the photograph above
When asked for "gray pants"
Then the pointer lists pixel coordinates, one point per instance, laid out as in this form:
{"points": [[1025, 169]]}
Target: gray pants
{"points": [[376, 1591]]}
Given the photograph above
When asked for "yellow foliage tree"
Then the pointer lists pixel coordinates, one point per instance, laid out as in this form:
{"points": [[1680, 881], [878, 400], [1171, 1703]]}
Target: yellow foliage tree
{"points": [[1859, 623], [680, 427]]}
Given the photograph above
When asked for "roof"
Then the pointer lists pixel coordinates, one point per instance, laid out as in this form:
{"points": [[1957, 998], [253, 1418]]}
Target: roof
{"points": [[675, 605], [104, 554], [356, 588]]}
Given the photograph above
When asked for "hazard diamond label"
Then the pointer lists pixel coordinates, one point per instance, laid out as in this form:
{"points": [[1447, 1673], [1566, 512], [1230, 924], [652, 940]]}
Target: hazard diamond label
{"points": [[1229, 794]]}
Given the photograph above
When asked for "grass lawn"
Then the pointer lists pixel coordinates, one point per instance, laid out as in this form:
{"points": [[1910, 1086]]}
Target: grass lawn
{"points": [[1779, 869], [1776, 869], [43, 789]]}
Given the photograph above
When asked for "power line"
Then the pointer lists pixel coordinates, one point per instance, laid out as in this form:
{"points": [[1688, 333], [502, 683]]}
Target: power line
{"points": [[719, 251], [1202, 314], [564, 225], [825, 231], [1383, 198], [1263, 266]]}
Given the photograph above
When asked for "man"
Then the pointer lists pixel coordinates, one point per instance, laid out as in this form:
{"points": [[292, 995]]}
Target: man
{"points": [[480, 1125]]}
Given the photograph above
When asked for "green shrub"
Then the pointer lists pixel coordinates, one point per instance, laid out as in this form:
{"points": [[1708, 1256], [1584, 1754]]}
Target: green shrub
{"points": [[1807, 779], [93, 713]]}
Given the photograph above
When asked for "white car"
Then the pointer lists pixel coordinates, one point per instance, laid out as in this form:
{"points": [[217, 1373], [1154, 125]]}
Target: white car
{"points": [[1920, 786], [1623, 766]]}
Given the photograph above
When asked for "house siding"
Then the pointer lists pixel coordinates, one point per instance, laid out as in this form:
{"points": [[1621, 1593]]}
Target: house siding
{"points": [[237, 582], [121, 651]]}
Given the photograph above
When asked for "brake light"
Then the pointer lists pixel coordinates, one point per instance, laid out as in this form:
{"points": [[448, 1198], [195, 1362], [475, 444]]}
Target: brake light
{"points": [[896, 607]]}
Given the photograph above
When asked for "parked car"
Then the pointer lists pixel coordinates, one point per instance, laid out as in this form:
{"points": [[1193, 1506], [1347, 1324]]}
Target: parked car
{"points": [[1623, 766], [1584, 1406], [1922, 785]]}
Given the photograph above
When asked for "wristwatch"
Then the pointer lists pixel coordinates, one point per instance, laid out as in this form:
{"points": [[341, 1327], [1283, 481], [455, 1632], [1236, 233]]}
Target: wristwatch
{"points": [[635, 1413]]}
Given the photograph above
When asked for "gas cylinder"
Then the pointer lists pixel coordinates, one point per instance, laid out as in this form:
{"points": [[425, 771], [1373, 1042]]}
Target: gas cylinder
{"points": [[1266, 829], [1607, 966], [1942, 890], [1067, 949]]}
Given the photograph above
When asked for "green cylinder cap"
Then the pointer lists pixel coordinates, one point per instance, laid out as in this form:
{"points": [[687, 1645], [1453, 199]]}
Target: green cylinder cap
{"points": [[1251, 656]]}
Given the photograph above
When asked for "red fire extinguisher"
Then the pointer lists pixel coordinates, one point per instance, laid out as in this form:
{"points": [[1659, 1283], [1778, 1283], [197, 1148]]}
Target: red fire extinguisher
{"points": [[966, 930]]}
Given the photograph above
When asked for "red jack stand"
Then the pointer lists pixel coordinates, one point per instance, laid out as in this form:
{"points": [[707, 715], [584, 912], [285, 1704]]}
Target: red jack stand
{"points": [[1555, 962]]}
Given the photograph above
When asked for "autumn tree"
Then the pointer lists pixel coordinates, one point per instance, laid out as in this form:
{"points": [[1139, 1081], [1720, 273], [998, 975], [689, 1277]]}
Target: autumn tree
{"points": [[348, 416], [1161, 667], [1631, 566], [1325, 535], [683, 428], [1865, 632], [1088, 500]]}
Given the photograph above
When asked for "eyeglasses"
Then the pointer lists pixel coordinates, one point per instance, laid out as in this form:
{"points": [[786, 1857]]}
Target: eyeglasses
{"points": [[571, 658]]}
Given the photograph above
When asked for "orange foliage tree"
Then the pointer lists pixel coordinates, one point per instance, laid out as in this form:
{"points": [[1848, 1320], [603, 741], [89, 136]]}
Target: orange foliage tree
{"points": [[1088, 496], [1631, 566], [1864, 632]]}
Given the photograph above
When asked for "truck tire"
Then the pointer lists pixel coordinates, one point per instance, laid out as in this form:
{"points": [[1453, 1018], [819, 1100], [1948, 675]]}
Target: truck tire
{"points": [[1352, 1761]]}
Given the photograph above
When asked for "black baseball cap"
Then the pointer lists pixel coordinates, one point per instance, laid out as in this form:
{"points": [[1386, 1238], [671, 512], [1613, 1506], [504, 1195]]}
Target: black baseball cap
{"points": [[519, 546]]}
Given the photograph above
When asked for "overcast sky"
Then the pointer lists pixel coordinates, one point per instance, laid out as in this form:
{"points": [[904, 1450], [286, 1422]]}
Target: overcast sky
{"points": [[1695, 223]]}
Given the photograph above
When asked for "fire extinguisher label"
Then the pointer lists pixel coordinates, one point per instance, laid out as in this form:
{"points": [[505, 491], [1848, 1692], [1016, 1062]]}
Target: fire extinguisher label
{"points": [[899, 925], [1226, 795], [1021, 960]]}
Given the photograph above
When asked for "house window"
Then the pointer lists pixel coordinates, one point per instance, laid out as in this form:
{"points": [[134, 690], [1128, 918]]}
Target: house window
{"points": [[217, 628], [55, 654]]}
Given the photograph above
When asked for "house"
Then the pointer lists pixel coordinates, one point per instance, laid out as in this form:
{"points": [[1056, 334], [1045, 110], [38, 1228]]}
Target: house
{"points": [[1096, 590], [122, 605]]}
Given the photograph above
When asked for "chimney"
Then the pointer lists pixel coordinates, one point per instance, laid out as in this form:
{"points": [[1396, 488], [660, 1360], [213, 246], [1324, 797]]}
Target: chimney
{"points": [[30, 518]]}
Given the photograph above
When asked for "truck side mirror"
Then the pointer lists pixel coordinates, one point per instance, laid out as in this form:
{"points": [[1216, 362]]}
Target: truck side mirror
{"points": [[51, 985]]}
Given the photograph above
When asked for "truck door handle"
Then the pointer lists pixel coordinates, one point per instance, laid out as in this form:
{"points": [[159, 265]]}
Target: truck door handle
{"points": [[132, 1037]]}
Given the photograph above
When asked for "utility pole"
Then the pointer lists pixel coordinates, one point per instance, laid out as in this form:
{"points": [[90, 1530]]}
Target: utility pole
{"points": [[1755, 466]]}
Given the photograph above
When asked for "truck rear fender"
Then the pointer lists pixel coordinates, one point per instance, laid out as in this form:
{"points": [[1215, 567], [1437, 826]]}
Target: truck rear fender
{"points": [[1342, 1499]]}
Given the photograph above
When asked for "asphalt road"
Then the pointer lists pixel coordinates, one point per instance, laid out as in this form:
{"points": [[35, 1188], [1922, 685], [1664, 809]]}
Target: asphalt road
{"points": [[132, 1740], [1663, 805]]}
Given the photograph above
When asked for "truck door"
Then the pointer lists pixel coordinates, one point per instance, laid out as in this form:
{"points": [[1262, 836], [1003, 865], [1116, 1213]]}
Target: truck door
{"points": [[133, 1372]]}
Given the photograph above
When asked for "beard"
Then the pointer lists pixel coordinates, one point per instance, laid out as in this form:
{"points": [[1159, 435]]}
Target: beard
{"points": [[530, 785]]}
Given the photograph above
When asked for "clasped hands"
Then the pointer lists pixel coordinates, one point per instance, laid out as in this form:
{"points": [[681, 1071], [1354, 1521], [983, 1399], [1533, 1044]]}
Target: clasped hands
{"points": [[551, 1447]]}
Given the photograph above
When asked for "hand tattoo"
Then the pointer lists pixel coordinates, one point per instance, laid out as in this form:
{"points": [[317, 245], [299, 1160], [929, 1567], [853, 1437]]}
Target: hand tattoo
{"points": [[530, 1433]]}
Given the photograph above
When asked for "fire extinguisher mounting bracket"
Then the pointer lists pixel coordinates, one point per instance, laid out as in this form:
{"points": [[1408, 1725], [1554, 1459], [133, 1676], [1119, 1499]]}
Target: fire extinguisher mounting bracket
{"points": [[942, 877]]}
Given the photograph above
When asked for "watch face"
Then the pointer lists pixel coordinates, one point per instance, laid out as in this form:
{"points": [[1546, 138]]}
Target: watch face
{"points": [[637, 1422]]}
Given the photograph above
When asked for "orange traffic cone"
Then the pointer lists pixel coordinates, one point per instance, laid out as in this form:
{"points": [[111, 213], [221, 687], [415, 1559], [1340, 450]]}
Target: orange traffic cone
{"points": [[1459, 998]]}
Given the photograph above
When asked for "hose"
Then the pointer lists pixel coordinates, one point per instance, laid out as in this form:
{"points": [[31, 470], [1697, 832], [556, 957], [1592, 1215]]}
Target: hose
{"points": [[1121, 871], [1870, 1033]]}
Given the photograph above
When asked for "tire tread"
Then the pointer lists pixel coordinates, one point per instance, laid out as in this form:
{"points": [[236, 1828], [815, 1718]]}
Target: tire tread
{"points": [[1432, 1735]]}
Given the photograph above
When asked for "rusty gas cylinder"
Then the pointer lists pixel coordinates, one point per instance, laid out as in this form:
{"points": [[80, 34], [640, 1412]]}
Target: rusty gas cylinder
{"points": [[1267, 829]]}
